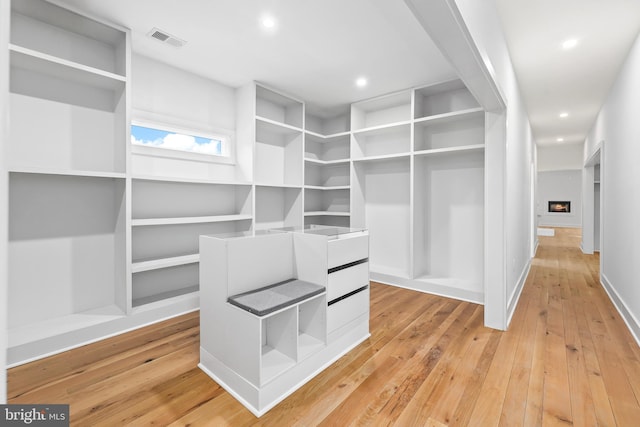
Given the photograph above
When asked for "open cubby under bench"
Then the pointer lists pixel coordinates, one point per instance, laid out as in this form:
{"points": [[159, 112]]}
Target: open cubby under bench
{"points": [[275, 297]]}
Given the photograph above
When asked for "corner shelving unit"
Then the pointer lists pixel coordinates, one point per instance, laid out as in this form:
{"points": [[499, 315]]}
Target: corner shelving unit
{"points": [[67, 160], [327, 167]]}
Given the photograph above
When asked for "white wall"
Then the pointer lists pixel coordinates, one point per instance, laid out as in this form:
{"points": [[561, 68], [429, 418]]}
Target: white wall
{"points": [[4, 189], [484, 25], [560, 157], [617, 130], [560, 186], [162, 93]]}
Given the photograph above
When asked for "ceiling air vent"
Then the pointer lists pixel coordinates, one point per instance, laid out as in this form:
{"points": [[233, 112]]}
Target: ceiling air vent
{"points": [[165, 37]]}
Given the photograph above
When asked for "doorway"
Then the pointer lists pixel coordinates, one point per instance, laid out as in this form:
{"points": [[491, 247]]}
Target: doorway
{"points": [[592, 184]]}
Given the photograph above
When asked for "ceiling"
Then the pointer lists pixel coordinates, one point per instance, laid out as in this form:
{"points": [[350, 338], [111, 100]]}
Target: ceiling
{"points": [[576, 81], [318, 49]]}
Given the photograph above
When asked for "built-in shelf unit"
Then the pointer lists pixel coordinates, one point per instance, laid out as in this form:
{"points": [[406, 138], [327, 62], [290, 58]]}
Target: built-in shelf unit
{"points": [[417, 183], [67, 166], [168, 216], [301, 159]]}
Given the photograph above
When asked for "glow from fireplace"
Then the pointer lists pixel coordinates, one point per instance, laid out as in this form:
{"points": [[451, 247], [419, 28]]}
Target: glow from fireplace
{"points": [[560, 206]]}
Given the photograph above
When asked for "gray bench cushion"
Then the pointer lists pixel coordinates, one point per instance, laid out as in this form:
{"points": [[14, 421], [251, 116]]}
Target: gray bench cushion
{"points": [[275, 297]]}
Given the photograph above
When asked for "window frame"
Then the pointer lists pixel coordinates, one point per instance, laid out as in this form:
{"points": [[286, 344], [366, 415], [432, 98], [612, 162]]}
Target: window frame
{"points": [[226, 137]]}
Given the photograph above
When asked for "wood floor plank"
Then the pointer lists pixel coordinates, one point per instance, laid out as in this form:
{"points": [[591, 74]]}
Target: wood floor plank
{"points": [[582, 407], [514, 408], [393, 382], [566, 358]]}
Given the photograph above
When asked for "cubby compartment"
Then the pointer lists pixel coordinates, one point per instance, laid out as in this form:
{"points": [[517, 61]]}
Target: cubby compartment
{"points": [[326, 175], [67, 260], [279, 347], [449, 220], [443, 98], [75, 137], [51, 30], [382, 142], [326, 201], [278, 207], [327, 123], [381, 203], [279, 108], [162, 284], [451, 132], [182, 201], [312, 327], [332, 149], [382, 111], [278, 154]]}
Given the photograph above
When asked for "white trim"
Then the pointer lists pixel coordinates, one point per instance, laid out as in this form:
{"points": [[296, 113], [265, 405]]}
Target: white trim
{"points": [[428, 287], [632, 323], [517, 292], [143, 150]]}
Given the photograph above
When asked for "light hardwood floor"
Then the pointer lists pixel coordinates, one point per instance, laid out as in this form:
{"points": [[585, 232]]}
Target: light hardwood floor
{"points": [[567, 358]]}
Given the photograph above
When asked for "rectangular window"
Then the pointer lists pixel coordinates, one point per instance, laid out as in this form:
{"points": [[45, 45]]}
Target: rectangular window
{"points": [[168, 142]]}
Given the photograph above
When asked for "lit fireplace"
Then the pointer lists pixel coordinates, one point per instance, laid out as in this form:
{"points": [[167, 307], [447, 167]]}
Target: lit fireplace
{"points": [[563, 207]]}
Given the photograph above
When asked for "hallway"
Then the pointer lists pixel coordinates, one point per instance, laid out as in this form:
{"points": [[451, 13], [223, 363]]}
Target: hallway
{"points": [[575, 358], [567, 359]]}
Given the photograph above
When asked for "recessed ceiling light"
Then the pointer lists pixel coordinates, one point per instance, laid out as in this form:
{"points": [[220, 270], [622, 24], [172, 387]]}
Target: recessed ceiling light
{"points": [[268, 22], [560, 139], [569, 44], [564, 115], [361, 81]]}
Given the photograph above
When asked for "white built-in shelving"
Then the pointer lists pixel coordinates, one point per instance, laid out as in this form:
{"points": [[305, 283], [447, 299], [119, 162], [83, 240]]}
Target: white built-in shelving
{"points": [[418, 185], [301, 162], [278, 154], [67, 160], [168, 216], [278, 168], [110, 241], [278, 207], [327, 168]]}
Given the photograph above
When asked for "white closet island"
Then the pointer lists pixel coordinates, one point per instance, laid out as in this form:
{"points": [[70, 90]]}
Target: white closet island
{"points": [[279, 306]]}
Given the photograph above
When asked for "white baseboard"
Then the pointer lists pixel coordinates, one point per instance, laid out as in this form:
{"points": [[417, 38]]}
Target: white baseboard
{"points": [[517, 292], [430, 286], [559, 225], [618, 302], [59, 343]]}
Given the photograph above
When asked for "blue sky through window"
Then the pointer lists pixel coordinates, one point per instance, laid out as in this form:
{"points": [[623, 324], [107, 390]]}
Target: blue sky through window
{"points": [[159, 138]]}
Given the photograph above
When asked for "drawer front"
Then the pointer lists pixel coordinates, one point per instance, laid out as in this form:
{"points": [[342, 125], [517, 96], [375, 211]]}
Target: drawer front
{"points": [[343, 281], [346, 250], [346, 310]]}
